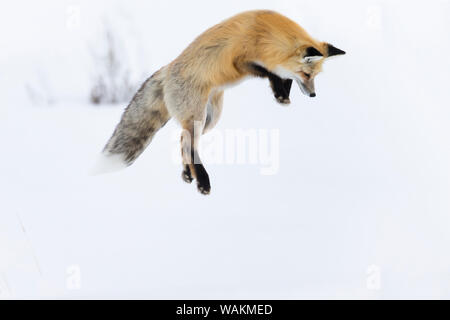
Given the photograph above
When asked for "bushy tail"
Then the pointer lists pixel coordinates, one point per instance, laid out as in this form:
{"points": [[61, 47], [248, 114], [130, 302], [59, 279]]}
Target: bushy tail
{"points": [[144, 116]]}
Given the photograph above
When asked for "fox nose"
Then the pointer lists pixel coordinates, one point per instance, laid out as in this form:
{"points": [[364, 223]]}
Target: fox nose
{"points": [[312, 95]]}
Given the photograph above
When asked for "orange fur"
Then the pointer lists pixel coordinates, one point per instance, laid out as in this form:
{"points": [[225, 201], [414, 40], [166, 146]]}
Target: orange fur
{"points": [[217, 56]]}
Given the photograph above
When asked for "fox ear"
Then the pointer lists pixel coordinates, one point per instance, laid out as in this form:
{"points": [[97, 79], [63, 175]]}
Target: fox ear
{"points": [[333, 51], [311, 55]]}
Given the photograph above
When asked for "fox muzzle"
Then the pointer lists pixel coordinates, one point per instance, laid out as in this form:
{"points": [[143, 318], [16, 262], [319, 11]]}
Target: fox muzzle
{"points": [[307, 87]]}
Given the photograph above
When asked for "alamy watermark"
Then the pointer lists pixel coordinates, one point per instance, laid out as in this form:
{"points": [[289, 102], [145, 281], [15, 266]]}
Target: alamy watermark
{"points": [[73, 277], [374, 18], [5, 291], [73, 17], [258, 147], [373, 280]]}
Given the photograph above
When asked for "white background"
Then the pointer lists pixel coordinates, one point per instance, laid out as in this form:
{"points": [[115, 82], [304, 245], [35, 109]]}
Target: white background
{"points": [[364, 167]]}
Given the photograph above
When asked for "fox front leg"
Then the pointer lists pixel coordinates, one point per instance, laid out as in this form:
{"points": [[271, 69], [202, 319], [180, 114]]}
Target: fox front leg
{"points": [[281, 88]]}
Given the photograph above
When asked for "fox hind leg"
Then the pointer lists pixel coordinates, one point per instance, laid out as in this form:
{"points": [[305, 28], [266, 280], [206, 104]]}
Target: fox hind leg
{"points": [[187, 102], [186, 174], [193, 167], [213, 110]]}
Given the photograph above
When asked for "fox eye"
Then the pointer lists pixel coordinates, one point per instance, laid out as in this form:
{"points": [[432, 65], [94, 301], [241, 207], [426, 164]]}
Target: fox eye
{"points": [[307, 75]]}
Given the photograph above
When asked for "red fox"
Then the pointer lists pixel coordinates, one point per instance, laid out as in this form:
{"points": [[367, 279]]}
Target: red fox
{"points": [[190, 89]]}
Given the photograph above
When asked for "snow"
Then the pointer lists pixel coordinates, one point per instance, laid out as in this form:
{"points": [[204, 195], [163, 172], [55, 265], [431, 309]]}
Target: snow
{"points": [[362, 187], [108, 163]]}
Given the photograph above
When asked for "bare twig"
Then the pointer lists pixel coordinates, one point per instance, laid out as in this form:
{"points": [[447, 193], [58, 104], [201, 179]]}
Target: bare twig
{"points": [[36, 262], [5, 281]]}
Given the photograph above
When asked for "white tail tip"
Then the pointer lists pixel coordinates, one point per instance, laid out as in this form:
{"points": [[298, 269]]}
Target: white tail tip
{"points": [[107, 163]]}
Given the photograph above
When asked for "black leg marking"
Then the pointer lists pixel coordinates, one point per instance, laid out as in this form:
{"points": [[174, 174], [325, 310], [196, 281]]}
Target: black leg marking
{"points": [[287, 84], [203, 184], [258, 71], [281, 87], [202, 177], [186, 174]]}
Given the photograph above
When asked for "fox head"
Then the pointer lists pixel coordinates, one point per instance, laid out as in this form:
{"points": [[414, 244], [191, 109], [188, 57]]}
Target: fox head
{"points": [[305, 64]]}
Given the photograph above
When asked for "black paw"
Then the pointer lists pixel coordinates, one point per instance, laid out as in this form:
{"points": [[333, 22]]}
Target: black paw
{"points": [[186, 176], [203, 185], [283, 100], [204, 189]]}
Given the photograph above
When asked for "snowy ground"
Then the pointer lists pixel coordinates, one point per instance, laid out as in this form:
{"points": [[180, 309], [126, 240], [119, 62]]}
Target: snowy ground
{"points": [[359, 207]]}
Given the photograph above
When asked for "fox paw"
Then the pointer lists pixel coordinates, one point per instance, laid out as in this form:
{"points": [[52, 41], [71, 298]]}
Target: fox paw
{"points": [[204, 188], [186, 176], [203, 184], [283, 100]]}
